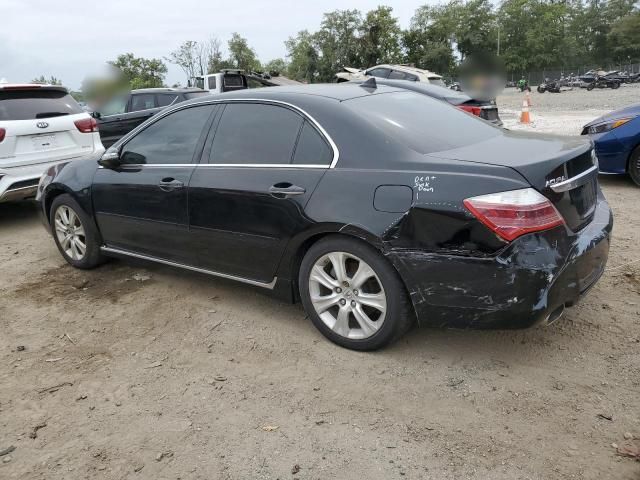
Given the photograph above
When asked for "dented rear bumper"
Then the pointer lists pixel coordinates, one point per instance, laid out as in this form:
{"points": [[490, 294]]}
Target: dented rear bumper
{"points": [[528, 281]]}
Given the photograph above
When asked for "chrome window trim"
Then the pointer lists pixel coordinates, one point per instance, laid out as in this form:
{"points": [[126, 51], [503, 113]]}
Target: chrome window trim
{"points": [[269, 285], [137, 166], [180, 106]]}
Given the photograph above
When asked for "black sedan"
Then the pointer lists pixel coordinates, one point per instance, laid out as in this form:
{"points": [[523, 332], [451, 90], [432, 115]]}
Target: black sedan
{"points": [[372, 206], [485, 109]]}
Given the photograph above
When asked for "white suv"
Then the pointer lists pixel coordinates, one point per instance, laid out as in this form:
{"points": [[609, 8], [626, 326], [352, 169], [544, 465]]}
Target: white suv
{"points": [[392, 72], [40, 125]]}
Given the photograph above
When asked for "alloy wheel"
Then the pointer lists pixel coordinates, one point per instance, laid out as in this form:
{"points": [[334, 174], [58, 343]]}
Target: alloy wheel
{"points": [[347, 295], [70, 232]]}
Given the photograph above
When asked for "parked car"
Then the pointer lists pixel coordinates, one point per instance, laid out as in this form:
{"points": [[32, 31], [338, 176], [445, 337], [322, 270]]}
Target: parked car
{"points": [[616, 137], [123, 113], [392, 72], [40, 125], [487, 110], [371, 206]]}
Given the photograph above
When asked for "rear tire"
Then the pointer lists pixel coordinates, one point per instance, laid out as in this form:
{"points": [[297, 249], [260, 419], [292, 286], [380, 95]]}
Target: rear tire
{"points": [[353, 295], [634, 166], [590, 87], [75, 235]]}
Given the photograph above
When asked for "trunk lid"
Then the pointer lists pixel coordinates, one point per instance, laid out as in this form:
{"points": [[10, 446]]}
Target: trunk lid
{"points": [[548, 163]]}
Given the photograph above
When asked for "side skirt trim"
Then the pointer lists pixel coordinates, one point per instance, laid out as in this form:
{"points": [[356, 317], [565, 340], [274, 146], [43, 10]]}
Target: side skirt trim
{"points": [[117, 251]]}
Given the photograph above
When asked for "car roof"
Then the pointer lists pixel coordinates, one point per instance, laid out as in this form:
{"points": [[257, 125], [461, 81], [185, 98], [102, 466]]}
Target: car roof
{"points": [[32, 86], [331, 91], [168, 90]]}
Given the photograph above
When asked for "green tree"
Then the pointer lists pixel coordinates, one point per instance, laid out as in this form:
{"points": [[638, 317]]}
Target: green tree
{"points": [[428, 41], [276, 65], [380, 38], [474, 27], [337, 43], [625, 37], [141, 72], [47, 81], [188, 57], [241, 55], [303, 57]]}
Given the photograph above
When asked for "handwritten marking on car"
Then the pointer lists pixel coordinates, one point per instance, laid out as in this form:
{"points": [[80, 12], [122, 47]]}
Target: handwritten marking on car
{"points": [[424, 183]]}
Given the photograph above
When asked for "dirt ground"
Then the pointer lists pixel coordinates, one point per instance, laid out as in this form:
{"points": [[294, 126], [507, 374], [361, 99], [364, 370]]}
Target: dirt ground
{"points": [[137, 371], [566, 112]]}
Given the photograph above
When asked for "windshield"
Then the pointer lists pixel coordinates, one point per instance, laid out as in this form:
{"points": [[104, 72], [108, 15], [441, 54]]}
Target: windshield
{"points": [[421, 123]]}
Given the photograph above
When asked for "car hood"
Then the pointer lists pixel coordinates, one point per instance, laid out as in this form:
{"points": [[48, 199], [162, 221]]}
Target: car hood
{"points": [[629, 111], [534, 156]]}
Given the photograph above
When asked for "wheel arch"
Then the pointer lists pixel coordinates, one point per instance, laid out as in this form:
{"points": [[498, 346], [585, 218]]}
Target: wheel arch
{"points": [[290, 265], [52, 192]]}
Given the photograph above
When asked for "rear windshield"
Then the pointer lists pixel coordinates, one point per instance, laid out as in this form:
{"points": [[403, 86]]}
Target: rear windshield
{"points": [[32, 104], [190, 95], [421, 123]]}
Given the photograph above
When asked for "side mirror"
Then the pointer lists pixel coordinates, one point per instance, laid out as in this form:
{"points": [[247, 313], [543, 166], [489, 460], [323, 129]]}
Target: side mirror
{"points": [[110, 160], [96, 115]]}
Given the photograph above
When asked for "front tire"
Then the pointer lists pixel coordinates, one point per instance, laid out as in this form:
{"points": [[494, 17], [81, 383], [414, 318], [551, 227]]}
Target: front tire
{"points": [[353, 295], [74, 233], [540, 89], [634, 166]]}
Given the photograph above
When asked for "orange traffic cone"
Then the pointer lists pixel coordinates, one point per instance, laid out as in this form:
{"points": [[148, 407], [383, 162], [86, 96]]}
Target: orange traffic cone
{"points": [[528, 97], [524, 116]]}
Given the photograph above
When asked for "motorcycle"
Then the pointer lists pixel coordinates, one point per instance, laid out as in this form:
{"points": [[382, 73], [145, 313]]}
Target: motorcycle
{"points": [[549, 86], [602, 81], [523, 85]]}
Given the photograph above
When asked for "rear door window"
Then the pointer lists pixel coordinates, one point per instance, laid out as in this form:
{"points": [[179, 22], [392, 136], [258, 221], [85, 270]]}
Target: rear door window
{"points": [[379, 72], [396, 75], [254, 133], [170, 140], [312, 149], [33, 104], [142, 101]]}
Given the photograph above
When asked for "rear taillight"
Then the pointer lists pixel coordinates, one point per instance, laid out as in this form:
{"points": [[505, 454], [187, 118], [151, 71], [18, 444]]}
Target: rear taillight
{"points": [[3, 132], [87, 125], [514, 213], [474, 110]]}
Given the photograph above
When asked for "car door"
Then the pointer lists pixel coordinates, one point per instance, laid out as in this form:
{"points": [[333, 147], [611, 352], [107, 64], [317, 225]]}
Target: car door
{"points": [[141, 206], [247, 197]]}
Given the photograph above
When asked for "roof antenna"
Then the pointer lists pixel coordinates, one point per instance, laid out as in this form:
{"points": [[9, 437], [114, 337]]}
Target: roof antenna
{"points": [[369, 83]]}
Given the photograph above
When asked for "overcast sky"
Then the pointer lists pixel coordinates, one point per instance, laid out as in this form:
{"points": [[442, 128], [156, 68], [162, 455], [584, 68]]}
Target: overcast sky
{"points": [[72, 38]]}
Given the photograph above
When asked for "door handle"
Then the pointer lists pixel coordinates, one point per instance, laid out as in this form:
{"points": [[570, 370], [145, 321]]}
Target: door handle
{"points": [[285, 189], [170, 184]]}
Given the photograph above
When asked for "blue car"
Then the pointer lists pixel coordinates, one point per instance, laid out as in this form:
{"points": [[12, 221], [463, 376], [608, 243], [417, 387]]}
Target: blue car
{"points": [[616, 136]]}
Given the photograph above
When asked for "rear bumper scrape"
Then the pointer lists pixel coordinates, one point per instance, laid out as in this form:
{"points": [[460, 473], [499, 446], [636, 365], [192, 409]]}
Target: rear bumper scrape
{"points": [[524, 284]]}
